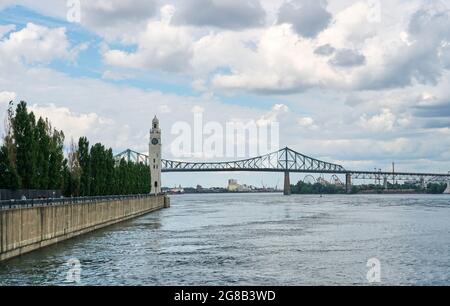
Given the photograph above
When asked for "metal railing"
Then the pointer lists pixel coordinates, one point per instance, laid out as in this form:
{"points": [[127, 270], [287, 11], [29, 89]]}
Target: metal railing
{"points": [[14, 204]]}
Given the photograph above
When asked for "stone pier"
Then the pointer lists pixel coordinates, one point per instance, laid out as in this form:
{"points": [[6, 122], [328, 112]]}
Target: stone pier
{"points": [[348, 183], [23, 230], [287, 184], [447, 191]]}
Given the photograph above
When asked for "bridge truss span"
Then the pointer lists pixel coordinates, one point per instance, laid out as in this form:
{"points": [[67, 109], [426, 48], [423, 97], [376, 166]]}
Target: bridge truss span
{"points": [[400, 176], [284, 160], [132, 156]]}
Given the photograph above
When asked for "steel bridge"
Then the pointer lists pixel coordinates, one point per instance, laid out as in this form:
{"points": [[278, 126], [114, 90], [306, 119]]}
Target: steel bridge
{"points": [[285, 161]]}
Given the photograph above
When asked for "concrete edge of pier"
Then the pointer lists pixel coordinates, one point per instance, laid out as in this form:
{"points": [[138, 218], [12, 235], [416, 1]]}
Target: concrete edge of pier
{"points": [[23, 230]]}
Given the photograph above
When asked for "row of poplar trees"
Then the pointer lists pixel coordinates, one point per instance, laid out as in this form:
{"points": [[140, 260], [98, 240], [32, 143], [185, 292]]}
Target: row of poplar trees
{"points": [[32, 157]]}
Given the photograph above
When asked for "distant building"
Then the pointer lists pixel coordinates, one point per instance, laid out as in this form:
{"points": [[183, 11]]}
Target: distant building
{"points": [[245, 188], [322, 181], [177, 190], [233, 185]]}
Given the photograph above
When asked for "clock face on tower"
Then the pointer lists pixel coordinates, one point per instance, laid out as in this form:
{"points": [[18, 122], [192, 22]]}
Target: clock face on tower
{"points": [[155, 141]]}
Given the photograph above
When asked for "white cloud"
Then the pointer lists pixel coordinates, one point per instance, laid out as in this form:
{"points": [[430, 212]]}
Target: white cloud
{"points": [[72, 124], [118, 19], [361, 52], [383, 122], [308, 17], [161, 47], [79, 107], [199, 85], [348, 58], [283, 62], [116, 12], [111, 19], [226, 14], [165, 109], [307, 123], [350, 25], [273, 116], [35, 44], [7, 96]]}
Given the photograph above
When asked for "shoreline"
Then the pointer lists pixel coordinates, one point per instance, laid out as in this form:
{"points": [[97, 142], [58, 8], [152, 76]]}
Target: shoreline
{"points": [[310, 194]]}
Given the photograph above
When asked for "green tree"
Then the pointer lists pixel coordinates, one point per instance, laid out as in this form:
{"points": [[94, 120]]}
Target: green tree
{"points": [[43, 141], [121, 177], [9, 138], [68, 189], [85, 165], [56, 160], [8, 174], [317, 188], [109, 181], [98, 170], [436, 188], [32, 156], [23, 125], [74, 169]]}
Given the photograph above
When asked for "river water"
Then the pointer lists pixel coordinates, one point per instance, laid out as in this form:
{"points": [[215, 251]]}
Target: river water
{"points": [[258, 239]]}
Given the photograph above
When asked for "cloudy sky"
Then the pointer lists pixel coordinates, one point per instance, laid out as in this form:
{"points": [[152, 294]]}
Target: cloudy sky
{"points": [[360, 83]]}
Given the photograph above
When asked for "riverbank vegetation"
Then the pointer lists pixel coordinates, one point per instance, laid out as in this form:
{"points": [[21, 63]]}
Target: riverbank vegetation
{"points": [[33, 156], [309, 188], [316, 188]]}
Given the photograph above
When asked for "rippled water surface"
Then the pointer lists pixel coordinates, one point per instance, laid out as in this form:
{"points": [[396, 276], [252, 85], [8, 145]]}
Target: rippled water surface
{"points": [[260, 239]]}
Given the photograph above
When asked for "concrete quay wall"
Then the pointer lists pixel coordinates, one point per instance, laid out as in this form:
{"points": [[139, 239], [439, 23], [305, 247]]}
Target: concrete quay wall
{"points": [[23, 230]]}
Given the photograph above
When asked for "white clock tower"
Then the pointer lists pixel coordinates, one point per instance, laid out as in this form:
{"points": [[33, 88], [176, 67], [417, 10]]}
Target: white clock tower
{"points": [[155, 157]]}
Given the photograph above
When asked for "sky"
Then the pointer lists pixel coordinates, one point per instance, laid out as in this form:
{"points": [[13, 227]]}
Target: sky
{"points": [[358, 83]]}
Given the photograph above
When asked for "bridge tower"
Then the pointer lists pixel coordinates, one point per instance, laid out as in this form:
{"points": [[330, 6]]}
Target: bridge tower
{"points": [[155, 157]]}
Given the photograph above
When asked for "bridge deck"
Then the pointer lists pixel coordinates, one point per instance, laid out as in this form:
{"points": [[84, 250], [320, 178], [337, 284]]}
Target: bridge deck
{"points": [[284, 160]]}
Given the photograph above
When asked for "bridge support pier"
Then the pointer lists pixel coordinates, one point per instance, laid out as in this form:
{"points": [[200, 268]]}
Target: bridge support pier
{"points": [[287, 184], [447, 191], [348, 183], [385, 183], [423, 184]]}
